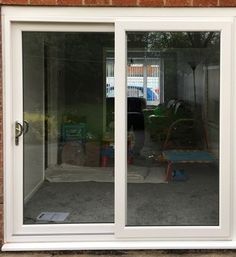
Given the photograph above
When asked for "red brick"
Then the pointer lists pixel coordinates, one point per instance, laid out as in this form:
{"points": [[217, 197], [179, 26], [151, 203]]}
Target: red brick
{"points": [[97, 2], [1, 146], [42, 2], [151, 3], [228, 3], [1, 202], [124, 2], [15, 2], [205, 3], [178, 3], [69, 2]]}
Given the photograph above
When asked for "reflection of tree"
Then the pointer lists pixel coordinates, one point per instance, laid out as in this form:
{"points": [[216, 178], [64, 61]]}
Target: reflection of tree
{"points": [[203, 39], [192, 48], [169, 40]]}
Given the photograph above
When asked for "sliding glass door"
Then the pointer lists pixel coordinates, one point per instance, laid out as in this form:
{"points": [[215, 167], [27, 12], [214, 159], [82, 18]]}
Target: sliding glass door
{"points": [[120, 130], [68, 138], [172, 97], [64, 128]]}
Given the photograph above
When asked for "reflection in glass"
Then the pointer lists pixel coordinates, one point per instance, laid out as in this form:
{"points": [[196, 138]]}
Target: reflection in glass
{"points": [[69, 148], [173, 81]]}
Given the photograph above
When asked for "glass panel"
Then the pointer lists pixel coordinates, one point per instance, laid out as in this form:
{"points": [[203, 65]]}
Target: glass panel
{"points": [[69, 145], [173, 87]]}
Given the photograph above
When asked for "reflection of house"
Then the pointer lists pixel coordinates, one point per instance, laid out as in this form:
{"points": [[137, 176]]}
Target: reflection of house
{"points": [[143, 78]]}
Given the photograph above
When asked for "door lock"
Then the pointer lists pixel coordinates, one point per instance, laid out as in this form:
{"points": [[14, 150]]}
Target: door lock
{"points": [[18, 132]]}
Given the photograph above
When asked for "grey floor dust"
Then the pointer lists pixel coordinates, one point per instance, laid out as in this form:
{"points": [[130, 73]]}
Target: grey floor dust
{"points": [[192, 202]]}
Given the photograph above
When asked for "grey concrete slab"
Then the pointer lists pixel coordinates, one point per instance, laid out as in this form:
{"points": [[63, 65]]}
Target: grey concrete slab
{"points": [[26, 254], [171, 253]]}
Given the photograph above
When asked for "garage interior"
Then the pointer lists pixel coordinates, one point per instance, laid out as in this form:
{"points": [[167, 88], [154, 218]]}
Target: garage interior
{"points": [[173, 81]]}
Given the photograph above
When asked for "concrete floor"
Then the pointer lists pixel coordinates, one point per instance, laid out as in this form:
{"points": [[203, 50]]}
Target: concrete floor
{"points": [[170, 253], [175, 203], [200, 190]]}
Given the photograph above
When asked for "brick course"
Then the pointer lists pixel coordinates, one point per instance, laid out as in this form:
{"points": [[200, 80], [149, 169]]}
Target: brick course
{"points": [[42, 2], [227, 3], [69, 2], [129, 3], [176, 3], [126, 3], [97, 2], [151, 3], [205, 3]]}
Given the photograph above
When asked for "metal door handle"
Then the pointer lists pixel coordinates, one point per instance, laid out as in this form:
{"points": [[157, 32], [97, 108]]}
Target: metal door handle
{"points": [[25, 127], [18, 132]]}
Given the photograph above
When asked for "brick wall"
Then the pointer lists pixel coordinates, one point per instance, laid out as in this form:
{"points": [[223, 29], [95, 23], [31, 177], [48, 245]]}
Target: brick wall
{"points": [[139, 3], [117, 3], [1, 146]]}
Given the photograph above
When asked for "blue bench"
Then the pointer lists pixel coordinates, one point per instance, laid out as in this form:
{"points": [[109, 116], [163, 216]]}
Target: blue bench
{"points": [[185, 156]]}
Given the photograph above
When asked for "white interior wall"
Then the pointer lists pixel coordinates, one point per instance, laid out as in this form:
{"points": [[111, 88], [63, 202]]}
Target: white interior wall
{"points": [[55, 93], [212, 94], [33, 112], [207, 91], [52, 84]]}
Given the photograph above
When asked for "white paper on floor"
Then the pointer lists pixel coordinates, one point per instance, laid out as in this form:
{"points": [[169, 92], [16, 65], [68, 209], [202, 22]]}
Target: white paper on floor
{"points": [[135, 174], [53, 216]]}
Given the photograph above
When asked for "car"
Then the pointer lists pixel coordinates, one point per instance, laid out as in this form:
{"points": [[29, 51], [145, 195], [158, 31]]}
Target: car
{"points": [[136, 91]]}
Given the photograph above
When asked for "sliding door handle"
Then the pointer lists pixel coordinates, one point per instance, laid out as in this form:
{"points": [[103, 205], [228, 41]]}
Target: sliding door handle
{"points": [[18, 132], [25, 127]]}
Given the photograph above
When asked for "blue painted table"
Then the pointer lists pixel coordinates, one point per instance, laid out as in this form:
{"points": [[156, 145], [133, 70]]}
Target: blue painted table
{"points": [[185, 156]]}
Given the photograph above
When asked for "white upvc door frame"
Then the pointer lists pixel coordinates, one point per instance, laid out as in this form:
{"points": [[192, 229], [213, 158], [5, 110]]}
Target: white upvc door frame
{"points": [[15, 100], [109, 236], [122, 26]]}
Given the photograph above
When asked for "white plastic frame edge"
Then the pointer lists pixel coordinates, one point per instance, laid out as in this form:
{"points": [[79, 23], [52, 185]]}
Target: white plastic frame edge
{"points": [[223, 230]]}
